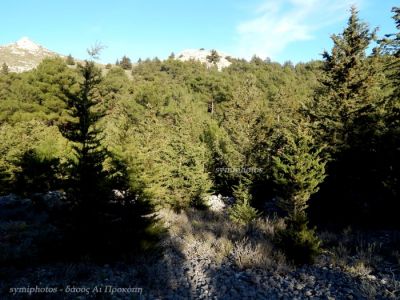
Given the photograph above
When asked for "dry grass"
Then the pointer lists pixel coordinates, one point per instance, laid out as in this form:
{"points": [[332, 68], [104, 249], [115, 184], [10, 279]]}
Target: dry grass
{"points": [[247, 255], [267, 227], [353, 251], [214, 235], [223, 248], [359, 268], [340, 255]]}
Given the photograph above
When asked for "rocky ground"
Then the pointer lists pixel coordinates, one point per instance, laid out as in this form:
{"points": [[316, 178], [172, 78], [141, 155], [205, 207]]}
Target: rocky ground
{"points": [[179, 276], [204, 261]]}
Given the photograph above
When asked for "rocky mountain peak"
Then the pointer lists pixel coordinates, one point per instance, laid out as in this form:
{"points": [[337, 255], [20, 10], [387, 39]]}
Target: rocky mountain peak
{"points": [[27, 44], [23, 55]]}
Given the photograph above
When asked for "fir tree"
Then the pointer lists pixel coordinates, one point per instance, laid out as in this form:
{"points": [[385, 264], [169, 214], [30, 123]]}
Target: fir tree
{"points": [[298, 170], [214, 57], [101, 219], [81, 130], [4, 69], [242, 212], [125, 63], [347, 118], [349, 84], [391, 46], [391, 141], [70, 60]]}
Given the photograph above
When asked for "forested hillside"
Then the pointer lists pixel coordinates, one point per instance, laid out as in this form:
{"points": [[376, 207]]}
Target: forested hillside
{"points": [[312, 148]]}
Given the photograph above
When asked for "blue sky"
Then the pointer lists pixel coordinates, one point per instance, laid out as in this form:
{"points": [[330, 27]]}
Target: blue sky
{"points": [[296, 30]]}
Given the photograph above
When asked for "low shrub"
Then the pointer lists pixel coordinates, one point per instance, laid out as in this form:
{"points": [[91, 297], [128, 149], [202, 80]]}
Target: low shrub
{"points": [[300, 243], [242, 212]]}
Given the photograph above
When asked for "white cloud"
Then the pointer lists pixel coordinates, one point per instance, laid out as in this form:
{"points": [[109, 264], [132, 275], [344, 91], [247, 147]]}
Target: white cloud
{"points": [[280, 22]]}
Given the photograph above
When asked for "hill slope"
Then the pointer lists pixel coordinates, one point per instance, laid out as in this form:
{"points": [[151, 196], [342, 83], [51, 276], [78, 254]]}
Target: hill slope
{"points": [[23, 55]]}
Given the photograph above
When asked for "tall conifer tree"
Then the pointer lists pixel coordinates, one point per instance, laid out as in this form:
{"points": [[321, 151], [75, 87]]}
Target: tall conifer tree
{"points": [[349, 85], [108, 214]]}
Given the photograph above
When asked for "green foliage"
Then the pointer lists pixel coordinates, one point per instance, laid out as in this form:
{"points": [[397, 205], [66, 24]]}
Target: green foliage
{"points": [[33, 136], [87, 172], [214, 57], [37, 173], [125, 63], [4, 69], [148, 134], [348, 117], [242, 212], [350, 88], [101, 219], [390, 141], [70, 61], [222, 157], [298, 170], [300, 244], [36, 95]]}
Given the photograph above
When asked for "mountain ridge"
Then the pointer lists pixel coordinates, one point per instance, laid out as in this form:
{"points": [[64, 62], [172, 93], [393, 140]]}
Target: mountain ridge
{"points": [[24, 55]]}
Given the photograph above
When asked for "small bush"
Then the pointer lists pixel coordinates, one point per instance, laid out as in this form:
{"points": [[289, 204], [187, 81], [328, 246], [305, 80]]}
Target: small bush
{"points": [[247, 255], [223, 247], [300, 244], [242, 212]]}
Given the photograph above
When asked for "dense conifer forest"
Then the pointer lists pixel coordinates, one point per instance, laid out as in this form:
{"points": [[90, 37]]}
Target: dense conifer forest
{"points": [[102, 165]]}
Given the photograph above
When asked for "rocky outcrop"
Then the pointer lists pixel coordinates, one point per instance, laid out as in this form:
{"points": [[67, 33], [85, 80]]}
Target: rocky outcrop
{"points": [[202, 54]]}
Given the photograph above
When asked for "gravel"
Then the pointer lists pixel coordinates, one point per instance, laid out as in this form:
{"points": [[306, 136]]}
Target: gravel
{"points": [[183, 273], [174, 277]]}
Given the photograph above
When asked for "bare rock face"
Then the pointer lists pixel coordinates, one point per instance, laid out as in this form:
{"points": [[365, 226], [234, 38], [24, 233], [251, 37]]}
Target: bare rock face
{"points": [[26, 44], [23, 55], [202, 54]]}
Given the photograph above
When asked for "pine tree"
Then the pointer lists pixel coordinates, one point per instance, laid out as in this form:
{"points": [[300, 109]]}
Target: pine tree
{"points": [[4, 69]]}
